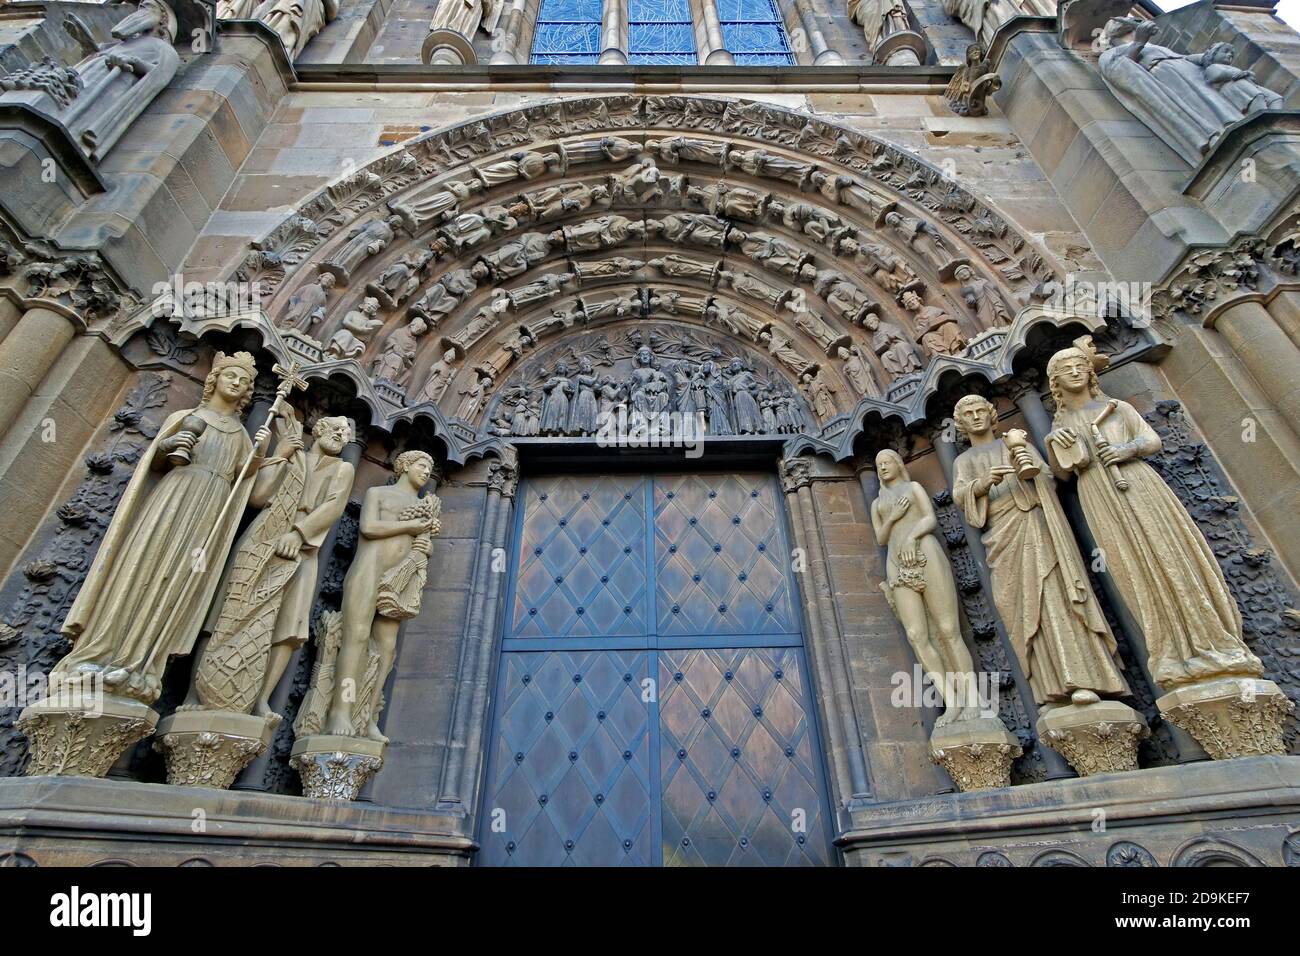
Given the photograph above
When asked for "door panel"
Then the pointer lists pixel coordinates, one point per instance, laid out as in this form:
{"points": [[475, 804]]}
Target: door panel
{"points": [[581, 566], [651, 705], [720, 557], [740, 774], [570, 774]]}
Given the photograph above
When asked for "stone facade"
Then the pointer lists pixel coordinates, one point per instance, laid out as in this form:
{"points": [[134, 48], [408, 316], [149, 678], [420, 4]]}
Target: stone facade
{"points": [[385, 213]]}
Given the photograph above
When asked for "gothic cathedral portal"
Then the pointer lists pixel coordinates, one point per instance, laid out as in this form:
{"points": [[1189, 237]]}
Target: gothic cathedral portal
{"points": [[653, 703]]}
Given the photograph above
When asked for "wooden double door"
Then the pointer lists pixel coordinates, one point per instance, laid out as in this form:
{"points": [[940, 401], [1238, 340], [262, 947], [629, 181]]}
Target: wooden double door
{"points": [[652, 701]]}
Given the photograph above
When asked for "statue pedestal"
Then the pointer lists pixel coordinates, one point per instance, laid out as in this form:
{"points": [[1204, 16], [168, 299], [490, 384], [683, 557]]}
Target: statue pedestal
{"points": [[208, 748], [977, 753], [447, 48], [1094, 738], [1231, 716], [335, 767], [83, 741]]}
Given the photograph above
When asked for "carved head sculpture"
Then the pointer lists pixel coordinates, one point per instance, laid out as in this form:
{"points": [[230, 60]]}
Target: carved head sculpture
{"points": [[644, 356], [871, 321], [1072, 371], [911, 301], [963, 273], [416, 466], [585, 367], [326, 280], [562, 369], [1219, 53], [231, 377], [152, 17], [370, 306], [890, 467], [331, 434], [736, 366], [893, 219], [974, 415]]}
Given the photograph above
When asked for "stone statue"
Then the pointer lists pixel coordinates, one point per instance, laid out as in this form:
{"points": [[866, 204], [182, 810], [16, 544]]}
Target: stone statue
{"points": [[857, 370], [296, 21], [982, 298], [774, 253], [843, 297], [512, 258], [684, 267], [637, 186], [540, 289], [555, 409], [921, 236], [522, 165], [617, 267], [972, 84], [440, 376], [444, 296], [820, 392], [473, 398], [1158, 559], [433, 206], [555, 202], [583, 416], [1040, 587], [471, 229], [306, 307], [261, 615], [759, 162], [157, 569], [607, 149], [681, 149], [362, 242], [779, 347], [398, 355], [920, 588], [396, 283], [691, 229], [982, 16], [114, 83], [938, 331], [382, 588], [359, 327], [717, 400], [748, 416], [730, 202], [878, 18], [649, 388], [603, 232], [896, 353], [1167, 91], [1236, 86]]}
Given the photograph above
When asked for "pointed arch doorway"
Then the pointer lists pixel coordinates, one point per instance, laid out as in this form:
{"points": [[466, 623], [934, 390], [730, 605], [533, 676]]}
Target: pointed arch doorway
{"points": [[653, 703]]}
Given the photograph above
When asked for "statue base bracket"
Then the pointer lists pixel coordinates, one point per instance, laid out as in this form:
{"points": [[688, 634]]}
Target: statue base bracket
{"points": [[976, 753], [208, 748], [81, 741], [1230, 717], [1095, 738], [335, 767]]}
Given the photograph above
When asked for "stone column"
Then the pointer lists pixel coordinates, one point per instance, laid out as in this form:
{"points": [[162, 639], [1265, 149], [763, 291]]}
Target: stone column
{"points": [[823, 54], [450, 41], [1040, 423], [1270, 356], [613, 33], [464, 758], [1285, 309], [1056, 766], [825, 646], [26, 354], [10, 313], [253, 776], [712, 48], [508, 51]]}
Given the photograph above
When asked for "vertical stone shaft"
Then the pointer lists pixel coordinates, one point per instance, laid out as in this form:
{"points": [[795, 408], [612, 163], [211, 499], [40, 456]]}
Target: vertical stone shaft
{"points": [[613, 32], [1271, 357], [26, 354], [825, 645], [712, 48], [823, 54]]}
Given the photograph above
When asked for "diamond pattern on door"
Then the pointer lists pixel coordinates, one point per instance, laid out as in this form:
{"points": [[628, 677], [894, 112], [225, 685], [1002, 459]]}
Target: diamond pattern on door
{"points": [[571, 762], [581, 558], [741, 780], [720, 557]]}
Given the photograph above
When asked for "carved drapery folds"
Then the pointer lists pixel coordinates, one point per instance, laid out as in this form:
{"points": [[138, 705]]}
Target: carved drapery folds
{"points": [[1187, 100], [890, 31], [855, 270], [451, 31], [99, 98]]}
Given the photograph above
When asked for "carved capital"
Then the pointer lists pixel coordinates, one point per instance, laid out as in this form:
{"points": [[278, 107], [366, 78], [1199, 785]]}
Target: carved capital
{"points": [[503, 478], [82, 742], [1232, 717], [976, 753], [336, 775], [796, 473], [1101, 737]]}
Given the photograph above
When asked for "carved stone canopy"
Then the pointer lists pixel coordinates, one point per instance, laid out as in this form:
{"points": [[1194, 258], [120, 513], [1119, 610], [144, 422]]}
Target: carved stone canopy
{"points": [[466, 250]]}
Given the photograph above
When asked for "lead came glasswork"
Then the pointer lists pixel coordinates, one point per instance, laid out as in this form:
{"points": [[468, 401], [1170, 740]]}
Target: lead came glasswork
{"points": [[660, 32], [567, 32], [754, 33]]}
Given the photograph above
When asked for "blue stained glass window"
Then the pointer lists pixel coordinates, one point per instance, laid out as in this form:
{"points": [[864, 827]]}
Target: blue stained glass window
{"points": [[567, 31], [660, 32], [754, 33]]}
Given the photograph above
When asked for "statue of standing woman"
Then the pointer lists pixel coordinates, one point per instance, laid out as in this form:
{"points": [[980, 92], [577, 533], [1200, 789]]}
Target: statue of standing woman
{"points": [[1161, 564]]}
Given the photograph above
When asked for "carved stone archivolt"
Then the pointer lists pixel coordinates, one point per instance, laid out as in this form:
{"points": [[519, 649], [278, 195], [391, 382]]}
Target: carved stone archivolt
{"points": [[860, 271]]}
